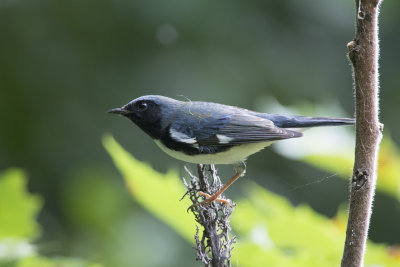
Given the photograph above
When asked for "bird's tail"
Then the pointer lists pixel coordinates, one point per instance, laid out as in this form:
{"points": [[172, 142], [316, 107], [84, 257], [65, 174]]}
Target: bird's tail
{"points": [[287, 121]]}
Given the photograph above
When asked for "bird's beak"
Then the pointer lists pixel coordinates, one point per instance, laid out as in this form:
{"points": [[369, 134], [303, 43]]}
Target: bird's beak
{"points": [[121, 111]]}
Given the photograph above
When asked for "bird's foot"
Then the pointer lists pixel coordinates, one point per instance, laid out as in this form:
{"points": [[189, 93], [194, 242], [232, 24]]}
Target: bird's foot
{"points": [[240, 169], [210, 199]]}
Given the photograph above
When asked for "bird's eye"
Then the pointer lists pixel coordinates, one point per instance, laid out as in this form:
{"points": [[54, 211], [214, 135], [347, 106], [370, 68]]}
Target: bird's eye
{"points": [[142, 106]]}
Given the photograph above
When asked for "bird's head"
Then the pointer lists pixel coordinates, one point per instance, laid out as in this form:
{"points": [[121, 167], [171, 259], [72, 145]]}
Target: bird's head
{"points": [[151, 113]]}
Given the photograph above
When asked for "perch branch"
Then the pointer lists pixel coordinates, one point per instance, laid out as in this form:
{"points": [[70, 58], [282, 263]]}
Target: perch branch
{"points": [[363, 54], [215, 244]]}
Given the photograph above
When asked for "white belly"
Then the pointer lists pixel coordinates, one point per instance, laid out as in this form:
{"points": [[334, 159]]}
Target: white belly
{"points": [[233, 155]]}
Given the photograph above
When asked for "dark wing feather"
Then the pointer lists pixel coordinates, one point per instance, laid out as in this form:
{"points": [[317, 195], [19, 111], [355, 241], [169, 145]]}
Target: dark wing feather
{"points": [[240, 128]]}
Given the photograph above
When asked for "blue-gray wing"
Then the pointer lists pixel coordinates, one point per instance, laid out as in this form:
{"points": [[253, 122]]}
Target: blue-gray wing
{"points": [[229, 129]]}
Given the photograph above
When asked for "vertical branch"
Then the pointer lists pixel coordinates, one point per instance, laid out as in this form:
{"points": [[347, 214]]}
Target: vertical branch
{"points": [[363, 54], [215, 245]]}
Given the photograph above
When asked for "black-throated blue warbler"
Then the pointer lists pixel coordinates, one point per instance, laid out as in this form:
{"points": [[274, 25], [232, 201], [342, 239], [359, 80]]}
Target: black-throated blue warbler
{"points": [[211, 133]]}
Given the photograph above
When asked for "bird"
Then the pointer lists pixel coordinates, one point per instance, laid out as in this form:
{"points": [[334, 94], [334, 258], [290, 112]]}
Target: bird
{"points": [[211, 133]]}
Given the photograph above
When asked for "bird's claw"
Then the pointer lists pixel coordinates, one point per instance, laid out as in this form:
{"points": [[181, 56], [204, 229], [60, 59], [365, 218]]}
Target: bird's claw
{"points": [[209, 199]]}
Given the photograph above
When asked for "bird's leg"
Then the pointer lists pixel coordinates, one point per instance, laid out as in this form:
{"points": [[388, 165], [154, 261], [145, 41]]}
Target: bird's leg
{"points": [[240, 169]]}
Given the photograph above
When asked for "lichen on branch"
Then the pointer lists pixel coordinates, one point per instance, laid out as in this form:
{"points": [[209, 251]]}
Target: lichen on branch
{"points": [[214, 244]]}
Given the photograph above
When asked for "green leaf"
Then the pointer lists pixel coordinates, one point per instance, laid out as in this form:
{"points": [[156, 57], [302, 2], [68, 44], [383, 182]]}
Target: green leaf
{"points": [[291, 236], [388, 166], [37, 261], [18, 225], [158, 193], [18, 208], [271, 230]]}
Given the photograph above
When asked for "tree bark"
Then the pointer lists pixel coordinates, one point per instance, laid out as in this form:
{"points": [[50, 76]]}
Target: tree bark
{"points": [[363, 54]]}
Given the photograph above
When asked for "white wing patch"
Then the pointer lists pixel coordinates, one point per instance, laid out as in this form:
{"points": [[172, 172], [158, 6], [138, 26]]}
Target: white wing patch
{"points": [[181, 137], [223, 139]]}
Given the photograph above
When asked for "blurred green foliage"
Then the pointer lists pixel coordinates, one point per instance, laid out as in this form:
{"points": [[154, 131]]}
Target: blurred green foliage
{"points": [[37, 261], [154, 191], [18, 208], [19, 227], [388, 166], [269, 228], [276, 232]]}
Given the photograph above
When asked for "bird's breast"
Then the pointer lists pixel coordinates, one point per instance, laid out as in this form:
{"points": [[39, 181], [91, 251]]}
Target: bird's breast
{"points": [[228, 156]]}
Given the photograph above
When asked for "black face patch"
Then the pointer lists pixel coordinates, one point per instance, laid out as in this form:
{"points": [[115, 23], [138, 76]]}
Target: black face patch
{"points": [[147, 115]]}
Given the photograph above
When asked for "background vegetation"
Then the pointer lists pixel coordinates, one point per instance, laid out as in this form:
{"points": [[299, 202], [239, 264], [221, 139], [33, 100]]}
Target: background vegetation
{"points": [[64, 63]]}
